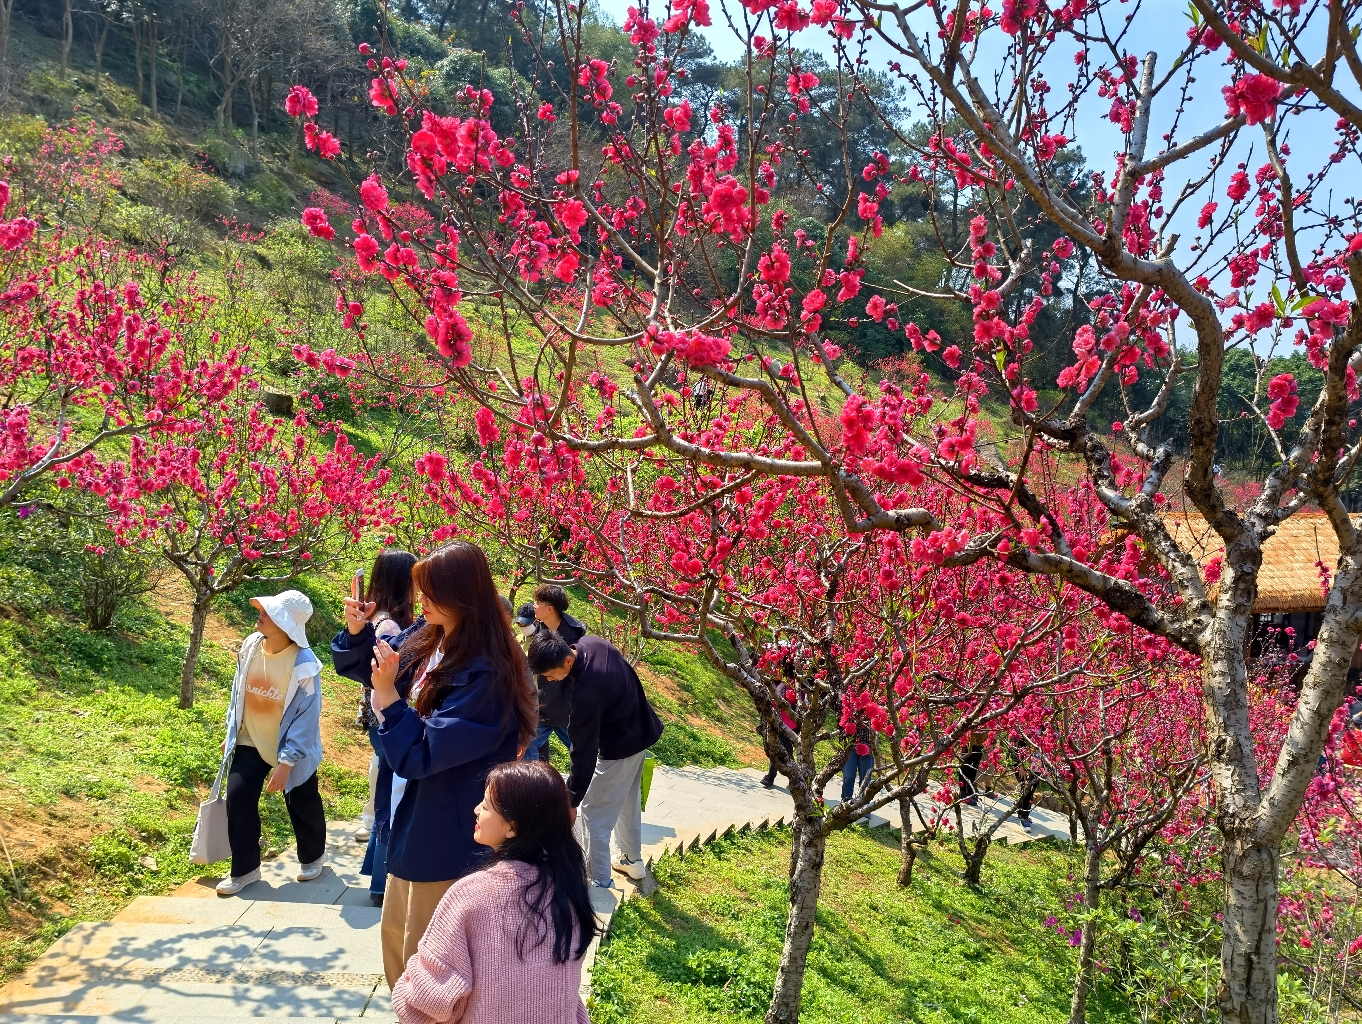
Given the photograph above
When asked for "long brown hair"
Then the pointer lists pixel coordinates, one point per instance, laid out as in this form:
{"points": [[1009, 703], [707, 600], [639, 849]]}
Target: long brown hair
{"points": [[556, 905], [390, 586], [456, 578]]}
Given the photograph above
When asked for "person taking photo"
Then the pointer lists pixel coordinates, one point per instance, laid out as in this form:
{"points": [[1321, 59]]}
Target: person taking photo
{"points": [[452, 698], [392, 595]]}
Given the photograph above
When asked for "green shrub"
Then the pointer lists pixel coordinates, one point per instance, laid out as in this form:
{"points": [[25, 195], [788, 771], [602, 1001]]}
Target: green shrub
{"points": [[269, 192]]}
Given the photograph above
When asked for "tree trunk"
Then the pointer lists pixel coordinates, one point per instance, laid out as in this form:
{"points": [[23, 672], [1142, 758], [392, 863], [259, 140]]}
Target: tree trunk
{"points": [[179, 68], [99, 53], [137, 54], [907, 847], [6, 9], [151, 52], [1092, 895], [251, 86], [1248, 947], [68, 31], [810, 846], [197, 622], [974, 862]]}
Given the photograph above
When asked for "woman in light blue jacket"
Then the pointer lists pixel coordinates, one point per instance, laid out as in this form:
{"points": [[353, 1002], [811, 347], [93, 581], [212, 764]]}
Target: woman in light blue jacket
{"points": [[274, 738]]}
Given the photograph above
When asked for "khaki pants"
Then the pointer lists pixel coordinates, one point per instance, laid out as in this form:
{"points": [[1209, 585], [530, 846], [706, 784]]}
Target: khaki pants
{"points": [[407, 909]]}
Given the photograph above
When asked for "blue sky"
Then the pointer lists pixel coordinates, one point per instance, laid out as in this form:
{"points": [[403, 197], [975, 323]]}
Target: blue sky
{"points": [[1157, 25]]}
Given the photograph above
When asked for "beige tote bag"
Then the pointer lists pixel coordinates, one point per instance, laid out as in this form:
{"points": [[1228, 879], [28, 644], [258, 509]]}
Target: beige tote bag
{"points": [[210, 843]]}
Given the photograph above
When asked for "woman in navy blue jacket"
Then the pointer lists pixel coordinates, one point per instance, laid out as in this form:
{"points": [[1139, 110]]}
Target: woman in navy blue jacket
{"points": [[453, 702]]}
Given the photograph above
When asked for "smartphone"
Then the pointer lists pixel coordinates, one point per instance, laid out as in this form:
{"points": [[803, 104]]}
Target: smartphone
{"points": [[357, 585]]}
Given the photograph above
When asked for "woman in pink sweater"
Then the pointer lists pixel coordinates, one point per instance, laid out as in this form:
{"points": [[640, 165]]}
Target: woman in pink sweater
{"points": [[506, 943]]}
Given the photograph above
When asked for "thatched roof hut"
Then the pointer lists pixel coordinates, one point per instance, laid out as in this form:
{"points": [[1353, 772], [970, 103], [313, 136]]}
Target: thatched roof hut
{"points": [[1289, 581]]}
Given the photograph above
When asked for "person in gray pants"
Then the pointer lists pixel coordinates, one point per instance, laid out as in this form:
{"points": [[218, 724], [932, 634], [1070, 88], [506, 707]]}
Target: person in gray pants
{"points": [[611, 728]]}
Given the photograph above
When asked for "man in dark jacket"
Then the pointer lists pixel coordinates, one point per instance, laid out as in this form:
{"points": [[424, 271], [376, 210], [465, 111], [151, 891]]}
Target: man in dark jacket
{"points": [[612, 726], [549, 612]]}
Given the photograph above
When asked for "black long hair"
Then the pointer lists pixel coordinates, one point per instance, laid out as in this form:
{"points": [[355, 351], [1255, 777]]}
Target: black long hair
{"points": [[456, 578], [532, 796], [390, 586]]}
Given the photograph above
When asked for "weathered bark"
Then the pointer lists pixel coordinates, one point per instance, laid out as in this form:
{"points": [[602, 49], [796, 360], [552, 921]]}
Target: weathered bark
{"points": [[179, 68], [151, 54], [1248, 950], [68, 31], [810, 845], [6, 9], [98, 41], [907, 847], [197, 622], [251, 86], [137, 54], [974, 859], [1092, 896]]}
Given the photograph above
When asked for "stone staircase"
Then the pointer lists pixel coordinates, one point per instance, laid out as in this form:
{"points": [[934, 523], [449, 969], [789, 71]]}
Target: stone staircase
{"points": [[309, 952]]}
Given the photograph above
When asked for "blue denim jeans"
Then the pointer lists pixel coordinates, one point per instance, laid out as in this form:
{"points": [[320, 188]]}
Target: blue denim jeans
{"points": [[535, 751], [376, 853], [857, 765]]}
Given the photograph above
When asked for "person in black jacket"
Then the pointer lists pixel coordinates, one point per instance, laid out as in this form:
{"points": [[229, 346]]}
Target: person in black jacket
{"points": [[612, 726], [453, 700], [555, 697]]}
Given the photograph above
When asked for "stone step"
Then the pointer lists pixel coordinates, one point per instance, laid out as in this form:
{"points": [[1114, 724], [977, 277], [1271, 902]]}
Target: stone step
{"points": [[340, 882], [178, 958]]}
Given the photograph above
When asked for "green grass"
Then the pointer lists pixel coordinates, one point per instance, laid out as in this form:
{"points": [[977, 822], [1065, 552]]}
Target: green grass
{"points": [[706, 944]]}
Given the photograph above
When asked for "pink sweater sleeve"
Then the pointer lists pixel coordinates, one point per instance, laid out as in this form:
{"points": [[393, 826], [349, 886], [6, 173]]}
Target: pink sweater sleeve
{"points": [[582, 1016], [435, 986]]}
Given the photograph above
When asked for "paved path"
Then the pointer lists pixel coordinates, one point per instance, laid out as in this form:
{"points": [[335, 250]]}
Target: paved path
{"points": [[308, 952]]}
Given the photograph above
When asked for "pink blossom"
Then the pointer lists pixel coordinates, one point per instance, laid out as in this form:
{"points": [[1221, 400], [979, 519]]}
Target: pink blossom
{"points": [[373, 194], [486, 422], [381, 96], [300, 102], [314, 219], [366, 249], [1254, 96]]}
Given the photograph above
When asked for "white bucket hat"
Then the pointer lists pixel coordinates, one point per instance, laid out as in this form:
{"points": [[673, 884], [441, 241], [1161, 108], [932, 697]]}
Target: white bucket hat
{"points": [[289, 611]]}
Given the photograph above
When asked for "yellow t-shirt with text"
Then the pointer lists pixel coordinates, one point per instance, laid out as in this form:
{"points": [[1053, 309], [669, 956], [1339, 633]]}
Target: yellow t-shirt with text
{"points": [[267, 679]]}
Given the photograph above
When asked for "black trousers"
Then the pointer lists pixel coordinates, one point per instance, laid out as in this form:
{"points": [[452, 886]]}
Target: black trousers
{"points": [[245, 782], [969, 772], [789, 749]]}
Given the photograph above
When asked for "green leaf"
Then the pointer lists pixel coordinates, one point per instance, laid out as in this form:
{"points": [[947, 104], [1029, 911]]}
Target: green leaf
{"points": [[999, 358], [1278, 301], [1301, 303], [1194, 14]]}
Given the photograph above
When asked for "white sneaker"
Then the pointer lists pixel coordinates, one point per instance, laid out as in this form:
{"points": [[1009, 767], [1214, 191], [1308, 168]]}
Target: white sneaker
{"points": [[308, 872], [361, 835], [233, 884], [635, 869]]}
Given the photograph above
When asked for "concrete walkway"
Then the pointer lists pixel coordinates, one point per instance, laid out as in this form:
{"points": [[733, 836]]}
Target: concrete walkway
{"points": [[308, 952]]}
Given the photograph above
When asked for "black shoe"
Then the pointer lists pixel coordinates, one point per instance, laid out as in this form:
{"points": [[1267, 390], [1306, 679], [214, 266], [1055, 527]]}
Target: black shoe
{"points": [[769, 781], [376, 898]]}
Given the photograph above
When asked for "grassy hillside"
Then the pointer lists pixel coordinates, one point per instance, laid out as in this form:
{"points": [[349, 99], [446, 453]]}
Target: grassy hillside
{"points": [[706, 944]]}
